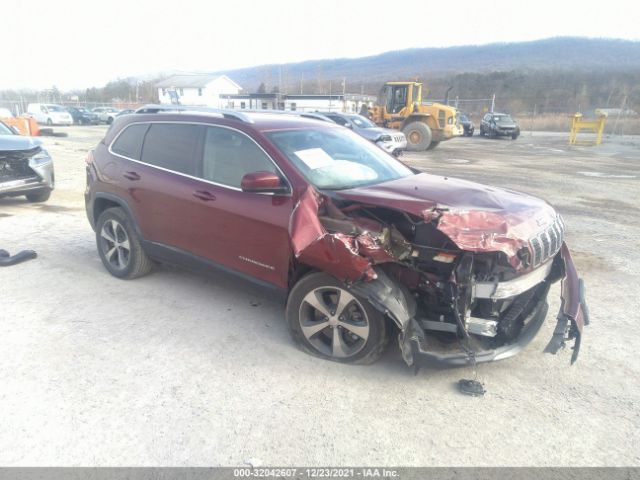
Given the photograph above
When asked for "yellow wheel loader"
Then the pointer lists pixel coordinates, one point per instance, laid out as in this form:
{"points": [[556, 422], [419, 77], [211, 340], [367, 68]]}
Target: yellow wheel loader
{"points": [[425, 125]]}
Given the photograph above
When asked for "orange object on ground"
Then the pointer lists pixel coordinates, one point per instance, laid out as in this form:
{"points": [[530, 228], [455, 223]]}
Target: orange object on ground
{"points": [[25, 125]]}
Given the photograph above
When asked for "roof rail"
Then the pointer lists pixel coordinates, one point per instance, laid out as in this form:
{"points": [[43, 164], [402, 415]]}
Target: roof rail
{"points": [[226, 113], [297, 113]]}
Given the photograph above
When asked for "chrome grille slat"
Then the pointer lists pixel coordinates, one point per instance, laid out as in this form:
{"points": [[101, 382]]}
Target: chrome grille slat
{"points": [[548, 242]]}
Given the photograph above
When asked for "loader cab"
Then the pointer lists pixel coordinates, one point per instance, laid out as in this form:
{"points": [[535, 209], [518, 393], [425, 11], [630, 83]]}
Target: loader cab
{"points": [[398, 96]]}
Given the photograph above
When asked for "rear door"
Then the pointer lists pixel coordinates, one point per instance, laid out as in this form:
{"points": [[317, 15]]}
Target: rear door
{"points": [[158, 177]]}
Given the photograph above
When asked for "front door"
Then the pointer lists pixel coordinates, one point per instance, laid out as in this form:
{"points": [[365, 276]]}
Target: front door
{"points": [[247, 232]]}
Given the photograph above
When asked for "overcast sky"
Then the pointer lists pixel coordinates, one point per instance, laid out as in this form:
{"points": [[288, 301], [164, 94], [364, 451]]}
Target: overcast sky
{"points": [[77, 44]]}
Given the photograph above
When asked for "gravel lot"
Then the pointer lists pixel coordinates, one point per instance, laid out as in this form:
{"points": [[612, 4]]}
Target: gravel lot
{"points": [[181, 369]]}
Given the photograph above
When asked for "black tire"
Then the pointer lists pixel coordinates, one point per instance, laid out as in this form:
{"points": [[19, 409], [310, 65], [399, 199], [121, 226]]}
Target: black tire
{"points": [[364, 351], [135, 263], [514, 136], [481, 132], [38, 196], [418, 136], [109, 120], [433, 145]]}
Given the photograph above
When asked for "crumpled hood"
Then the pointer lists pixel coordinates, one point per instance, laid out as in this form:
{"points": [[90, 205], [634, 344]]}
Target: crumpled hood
{"points": [[10, 143], [475, 217]]}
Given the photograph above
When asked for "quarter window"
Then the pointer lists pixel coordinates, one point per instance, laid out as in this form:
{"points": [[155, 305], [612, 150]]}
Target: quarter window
{"points": [[129, 142], [172, 146], [230, 155]]}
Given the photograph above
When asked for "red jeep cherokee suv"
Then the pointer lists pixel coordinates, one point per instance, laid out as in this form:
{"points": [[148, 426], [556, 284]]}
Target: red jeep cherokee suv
{"points": [[364, 248]]}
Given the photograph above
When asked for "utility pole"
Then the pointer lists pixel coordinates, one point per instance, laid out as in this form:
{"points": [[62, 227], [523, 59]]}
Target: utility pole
{"points": [[622, 105], [344, 94], [533, 117], [493, 102]]}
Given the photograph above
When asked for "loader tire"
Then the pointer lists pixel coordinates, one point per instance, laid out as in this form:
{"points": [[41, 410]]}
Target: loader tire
{"points": [[418, 136]]}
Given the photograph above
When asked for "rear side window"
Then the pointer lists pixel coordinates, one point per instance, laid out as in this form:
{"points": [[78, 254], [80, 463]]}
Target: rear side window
{"points": [[338, 120], [172, 146], [129, 142], [229, 155]]}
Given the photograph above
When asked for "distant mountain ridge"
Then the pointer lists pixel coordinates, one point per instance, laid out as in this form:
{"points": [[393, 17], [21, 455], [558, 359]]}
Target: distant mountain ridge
{"points": [[558, 53]]}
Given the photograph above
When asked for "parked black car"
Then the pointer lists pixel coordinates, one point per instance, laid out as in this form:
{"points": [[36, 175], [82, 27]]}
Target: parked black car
{"points": [[82, 116], [467, 125], [499, 125]]}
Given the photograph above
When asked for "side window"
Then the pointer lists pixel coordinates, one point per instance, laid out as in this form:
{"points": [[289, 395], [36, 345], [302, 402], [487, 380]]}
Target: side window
{"points": [[229, 155], [338, 120], [172, 146], [129, 142]]}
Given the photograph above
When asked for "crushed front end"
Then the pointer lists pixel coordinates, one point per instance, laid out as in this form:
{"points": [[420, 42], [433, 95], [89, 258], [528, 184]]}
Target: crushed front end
{"points": [[462, 286], [22, 171]]}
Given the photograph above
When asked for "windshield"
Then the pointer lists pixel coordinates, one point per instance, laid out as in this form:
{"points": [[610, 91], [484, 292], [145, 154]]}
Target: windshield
{"points": [[503, 119], [55, 108], [336, 159], [362, 122], [4, 130]]}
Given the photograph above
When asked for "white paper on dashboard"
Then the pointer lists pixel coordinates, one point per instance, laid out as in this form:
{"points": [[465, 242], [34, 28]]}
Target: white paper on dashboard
{"points": [[315, 158]]}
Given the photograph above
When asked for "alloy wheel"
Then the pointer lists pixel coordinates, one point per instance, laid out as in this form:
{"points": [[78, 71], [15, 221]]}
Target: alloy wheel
{"points": [[115, 244], [334, 322]]}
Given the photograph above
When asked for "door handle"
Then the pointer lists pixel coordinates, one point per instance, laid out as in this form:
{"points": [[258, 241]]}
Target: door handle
{"points": [[204, 195], [131, 175]]}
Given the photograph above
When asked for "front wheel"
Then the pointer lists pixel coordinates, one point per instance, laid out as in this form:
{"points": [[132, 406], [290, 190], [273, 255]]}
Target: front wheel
{"points": [[514, 136], [326, 320], [418, 136], [38, 197], [119, 247]]}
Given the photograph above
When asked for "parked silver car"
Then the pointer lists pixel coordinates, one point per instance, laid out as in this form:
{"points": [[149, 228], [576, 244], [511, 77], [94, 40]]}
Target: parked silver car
{"points": [[392, 141], [25, 167]]}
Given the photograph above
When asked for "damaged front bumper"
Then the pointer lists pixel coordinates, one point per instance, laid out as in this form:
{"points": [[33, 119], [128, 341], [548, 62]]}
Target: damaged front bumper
{"points": [[421, 349], [24, 172]]}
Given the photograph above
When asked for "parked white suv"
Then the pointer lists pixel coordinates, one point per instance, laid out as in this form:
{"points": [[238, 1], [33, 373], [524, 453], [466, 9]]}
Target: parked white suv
{"points": [[106, 114], [49, 114]]}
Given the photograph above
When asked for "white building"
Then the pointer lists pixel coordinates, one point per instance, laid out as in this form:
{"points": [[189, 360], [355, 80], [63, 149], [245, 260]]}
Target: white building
{"points": [[197, 89], [349, 103]]}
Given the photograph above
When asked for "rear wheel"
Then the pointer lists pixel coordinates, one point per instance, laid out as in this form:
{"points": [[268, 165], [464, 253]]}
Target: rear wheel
{"points": [[418, 136], [326, 320], [119, 247]]}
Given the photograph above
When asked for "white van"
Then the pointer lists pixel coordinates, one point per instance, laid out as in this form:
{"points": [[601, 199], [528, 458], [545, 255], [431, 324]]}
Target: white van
{"points": [[49, 114]]}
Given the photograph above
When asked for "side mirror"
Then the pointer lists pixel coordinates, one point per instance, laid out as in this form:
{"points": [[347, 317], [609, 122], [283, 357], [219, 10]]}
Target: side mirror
{"points": [[262, 182], [349, 125]]}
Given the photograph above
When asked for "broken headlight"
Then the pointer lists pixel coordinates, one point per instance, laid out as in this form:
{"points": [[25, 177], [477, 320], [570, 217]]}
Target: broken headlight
{"points": [[40, 158]]}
